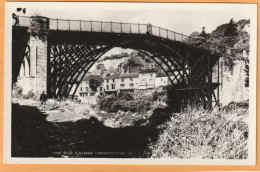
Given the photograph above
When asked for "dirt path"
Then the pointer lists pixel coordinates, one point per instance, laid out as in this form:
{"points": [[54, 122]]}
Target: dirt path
{"points": [[34, 136]]}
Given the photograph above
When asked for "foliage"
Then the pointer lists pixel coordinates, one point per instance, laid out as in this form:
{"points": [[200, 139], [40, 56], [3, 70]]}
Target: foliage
{"points": [[133, 64], [30, 95], [39, 27], [234, 105], [229, 36], [17, 91], [154, 96], [125, 96], [205, 135], [247, 74], [116, 56], [100, 66], [116, 103], [94, 83], [231, 29]]}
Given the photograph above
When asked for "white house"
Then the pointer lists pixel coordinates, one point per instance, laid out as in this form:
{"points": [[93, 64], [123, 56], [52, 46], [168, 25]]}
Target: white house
{"points": [[110, 83], [129, 81], [147, 79], [84, 90]]}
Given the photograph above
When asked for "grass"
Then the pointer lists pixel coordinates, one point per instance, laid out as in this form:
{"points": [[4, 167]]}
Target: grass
{"points": [[194, 133], [205, 135]]}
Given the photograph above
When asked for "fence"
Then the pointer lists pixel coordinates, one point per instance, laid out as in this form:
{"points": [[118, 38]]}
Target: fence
{"points": [[111, 27]]}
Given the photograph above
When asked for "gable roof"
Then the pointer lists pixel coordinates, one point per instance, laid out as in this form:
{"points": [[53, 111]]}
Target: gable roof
{"points": [[163, 74], [129, 75], [88, 77], [113, 76], [148, 70]]}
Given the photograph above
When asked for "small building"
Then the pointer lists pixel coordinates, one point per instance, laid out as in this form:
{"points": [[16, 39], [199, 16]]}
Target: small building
{"points": [[84, 90], [129, 81], [147, 78], [111, 83], [162, 79]]}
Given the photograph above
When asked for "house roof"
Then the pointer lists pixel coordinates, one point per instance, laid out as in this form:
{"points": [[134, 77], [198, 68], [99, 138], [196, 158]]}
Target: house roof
{"points": [[163, 74], [88, 77], [153, 70], [129, 75], [113, 76]]}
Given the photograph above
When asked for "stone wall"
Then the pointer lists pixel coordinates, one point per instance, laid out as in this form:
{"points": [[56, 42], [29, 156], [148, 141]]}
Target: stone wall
{"points": [[232, 82]]}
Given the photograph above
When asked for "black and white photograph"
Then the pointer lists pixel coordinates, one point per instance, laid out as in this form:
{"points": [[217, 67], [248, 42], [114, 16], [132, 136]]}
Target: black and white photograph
{"points": [[151, 83]]}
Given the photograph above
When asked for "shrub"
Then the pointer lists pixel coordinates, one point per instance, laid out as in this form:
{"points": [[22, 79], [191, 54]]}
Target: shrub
{"points": [[154, 96], [114, 104], [17, 91], [205, 135], [39, 28], [125, 96], [29, 95]]}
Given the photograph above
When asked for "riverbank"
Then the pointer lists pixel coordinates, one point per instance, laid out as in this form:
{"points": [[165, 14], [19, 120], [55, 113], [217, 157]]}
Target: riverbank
{"points": [[221, 134], [73, 129], [72, 111]]}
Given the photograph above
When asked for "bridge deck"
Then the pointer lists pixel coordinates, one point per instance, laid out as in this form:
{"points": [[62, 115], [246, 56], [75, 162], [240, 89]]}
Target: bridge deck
{"points": [[110, 27]]}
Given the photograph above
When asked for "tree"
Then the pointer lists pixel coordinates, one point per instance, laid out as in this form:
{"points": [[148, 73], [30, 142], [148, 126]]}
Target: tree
{"points": [[133, 64], [100, 66], [39, 27], [94, 83], [231, 29]]}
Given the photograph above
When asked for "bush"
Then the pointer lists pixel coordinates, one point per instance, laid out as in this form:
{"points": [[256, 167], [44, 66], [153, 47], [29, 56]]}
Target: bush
{"points": [[205, 135], [114, 104], [154, 96], [125, 96], [17, 91], [234, 105], [29, 95]]}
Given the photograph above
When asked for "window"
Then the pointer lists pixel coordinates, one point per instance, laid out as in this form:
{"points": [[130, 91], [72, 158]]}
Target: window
{"points": [[107, 80], [101, 88], [80, 88], [122, 80], [161, 80], [107, 87], [131, 79], [86, 88], [122, 85], [151, 74], [131, 85], [113, 86], [143, 82], [113, 80]]}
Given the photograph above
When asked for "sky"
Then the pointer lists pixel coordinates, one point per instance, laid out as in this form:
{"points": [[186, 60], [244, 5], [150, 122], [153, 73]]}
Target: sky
{"points": [[180, 17]]}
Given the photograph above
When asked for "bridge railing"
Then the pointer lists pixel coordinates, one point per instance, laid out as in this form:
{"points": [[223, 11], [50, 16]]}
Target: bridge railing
{"points": [[109, 27]]}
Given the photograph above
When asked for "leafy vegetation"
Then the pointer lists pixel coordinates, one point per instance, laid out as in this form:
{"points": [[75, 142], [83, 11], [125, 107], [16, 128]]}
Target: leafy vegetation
{"points": [[206, 135], [133, 64], [227, 40], [116, 56], [123, 103], [39, 27], [94, 83]]}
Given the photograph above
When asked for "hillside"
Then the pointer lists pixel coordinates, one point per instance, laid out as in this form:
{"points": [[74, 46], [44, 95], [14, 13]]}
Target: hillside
{"points": [[124, 62], [227, 39]]}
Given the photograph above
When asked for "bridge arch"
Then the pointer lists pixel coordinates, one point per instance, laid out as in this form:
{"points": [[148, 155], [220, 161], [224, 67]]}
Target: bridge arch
{"points": [[72, 51], [72, 54]]}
